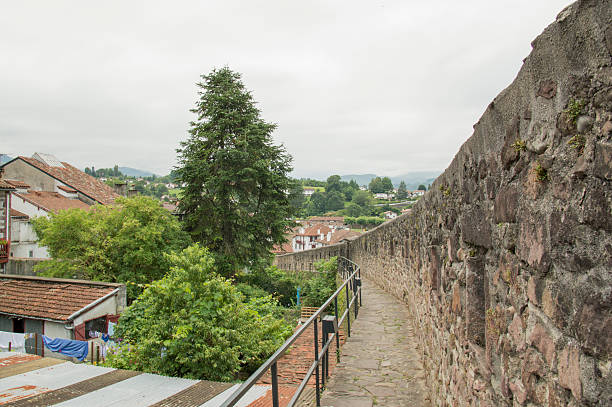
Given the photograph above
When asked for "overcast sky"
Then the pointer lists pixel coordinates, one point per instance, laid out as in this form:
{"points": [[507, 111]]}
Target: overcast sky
{"points": [[355, 86]]}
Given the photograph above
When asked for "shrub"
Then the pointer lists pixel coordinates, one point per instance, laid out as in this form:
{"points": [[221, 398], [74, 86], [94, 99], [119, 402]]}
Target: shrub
{"points": [[282, 285], [194, 323]]}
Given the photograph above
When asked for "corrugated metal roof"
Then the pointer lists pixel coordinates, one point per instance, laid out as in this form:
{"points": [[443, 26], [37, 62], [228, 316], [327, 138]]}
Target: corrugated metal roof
{"points": [[38, 381], [140, 391], [70, 385], [252, 395]]}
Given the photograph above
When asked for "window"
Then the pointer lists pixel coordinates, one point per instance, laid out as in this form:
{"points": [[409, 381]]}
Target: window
{"points": [[95, 325], [19, 325], [31, 253]]}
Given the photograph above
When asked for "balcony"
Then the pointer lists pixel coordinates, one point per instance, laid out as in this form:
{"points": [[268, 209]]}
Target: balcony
{"points": [[5, 248]]}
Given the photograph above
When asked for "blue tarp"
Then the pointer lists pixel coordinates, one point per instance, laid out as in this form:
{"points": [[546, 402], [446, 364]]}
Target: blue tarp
{"points": [[68, 347]]}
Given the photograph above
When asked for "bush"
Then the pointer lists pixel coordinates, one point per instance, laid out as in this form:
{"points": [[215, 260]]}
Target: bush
{"points": [[282, 285], [123, 243], [319, 288], [194, 323]]}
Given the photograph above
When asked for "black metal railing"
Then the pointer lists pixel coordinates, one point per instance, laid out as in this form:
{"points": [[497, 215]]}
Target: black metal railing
{"points": [[351, 286]]}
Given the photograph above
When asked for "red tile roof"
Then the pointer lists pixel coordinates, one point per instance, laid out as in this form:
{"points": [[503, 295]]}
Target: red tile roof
{"points": [[316, 230], [17, 183], [17, 214], [51, 201], [326, 218], [66, 189], [282, 249], [342, 234], [169, 206], [77, 179], [49, 298], [5, 185]]}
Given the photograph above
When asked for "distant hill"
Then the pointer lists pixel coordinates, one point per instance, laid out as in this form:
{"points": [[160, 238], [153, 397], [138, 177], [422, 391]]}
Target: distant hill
{"points": [[412, 179], [134, 172], [363, 179]]}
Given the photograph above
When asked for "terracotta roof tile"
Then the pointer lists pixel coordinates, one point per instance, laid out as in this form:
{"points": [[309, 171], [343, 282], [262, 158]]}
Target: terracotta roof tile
{"points": [[17, 183], [326, 219], [282, 249], [17, 214], [66, 189], [77, 179], [5, 185], [52, 299], [52, 201], [316, 230], [339, 235]]}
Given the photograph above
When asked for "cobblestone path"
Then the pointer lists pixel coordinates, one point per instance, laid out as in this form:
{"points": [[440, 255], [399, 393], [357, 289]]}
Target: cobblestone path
{"points": [[379, 363]]}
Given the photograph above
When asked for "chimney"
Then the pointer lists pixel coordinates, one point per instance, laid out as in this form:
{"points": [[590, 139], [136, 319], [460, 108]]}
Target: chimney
{"points": [[120, 188]]}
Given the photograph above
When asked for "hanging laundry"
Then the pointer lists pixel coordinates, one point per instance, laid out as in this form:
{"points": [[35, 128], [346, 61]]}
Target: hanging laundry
{"points": [[104, 337], [111, 328], [68, 347], [103, 350], [29, 336], [17, 341]]}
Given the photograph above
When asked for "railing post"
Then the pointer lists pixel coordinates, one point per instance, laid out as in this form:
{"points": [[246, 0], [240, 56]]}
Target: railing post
{"points": [[360, 302], [274, 374], [348, 311], [355, 288], [316, 349], [337, 333]]}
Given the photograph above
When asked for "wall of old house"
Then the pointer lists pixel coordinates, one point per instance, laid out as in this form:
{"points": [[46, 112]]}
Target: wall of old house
{"points": [[22, 171], [505, 263]]}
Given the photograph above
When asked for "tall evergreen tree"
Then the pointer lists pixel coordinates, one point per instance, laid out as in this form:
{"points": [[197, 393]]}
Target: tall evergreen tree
{"points": [[235, 197], [402, 192]]}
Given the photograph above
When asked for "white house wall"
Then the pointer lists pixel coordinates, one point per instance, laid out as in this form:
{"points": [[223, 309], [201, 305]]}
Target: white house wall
{"points": [[23, 206], [23, 238], [108, 306], [57, 330]]}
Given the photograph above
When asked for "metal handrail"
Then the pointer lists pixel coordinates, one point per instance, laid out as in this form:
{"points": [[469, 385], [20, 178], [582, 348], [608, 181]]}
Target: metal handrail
{"points": [[321, 358]]}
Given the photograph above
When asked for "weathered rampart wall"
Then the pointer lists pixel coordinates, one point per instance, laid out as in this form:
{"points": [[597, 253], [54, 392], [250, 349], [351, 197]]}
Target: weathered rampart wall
{"points": [[506, 263]]}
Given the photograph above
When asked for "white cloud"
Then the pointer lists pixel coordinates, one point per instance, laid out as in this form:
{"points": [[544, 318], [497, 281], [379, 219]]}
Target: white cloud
{"points": [[355, 86]]}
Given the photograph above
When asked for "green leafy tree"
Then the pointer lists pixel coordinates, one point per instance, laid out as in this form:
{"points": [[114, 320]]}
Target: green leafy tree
{"points": [[123, 243], [296, 197], [194, 323], [318, 289], [313, 182], [353, 210], [334, 183], [282, 285], [376, 186], [422, 188], [335, 201], [387, 185], [349, 189], [362, 198], [234, 200], [402, 192], [353, 185], [317, 204]]}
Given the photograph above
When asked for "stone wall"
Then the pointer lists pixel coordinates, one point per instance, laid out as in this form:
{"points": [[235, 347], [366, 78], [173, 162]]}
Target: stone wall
{"points": [[506, 262]]}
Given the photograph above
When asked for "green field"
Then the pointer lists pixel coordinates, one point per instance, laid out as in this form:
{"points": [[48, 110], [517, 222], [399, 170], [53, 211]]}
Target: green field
{"points": [[318, 189]]}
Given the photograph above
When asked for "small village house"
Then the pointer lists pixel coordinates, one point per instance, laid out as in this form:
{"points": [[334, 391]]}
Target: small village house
{"points": [[389, 215], [58, 308], [309, 191], [37, 186], [5, 206]]}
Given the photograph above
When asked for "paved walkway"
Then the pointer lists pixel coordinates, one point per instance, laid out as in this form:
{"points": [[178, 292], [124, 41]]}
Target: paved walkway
{"points": [[379, 363]]}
